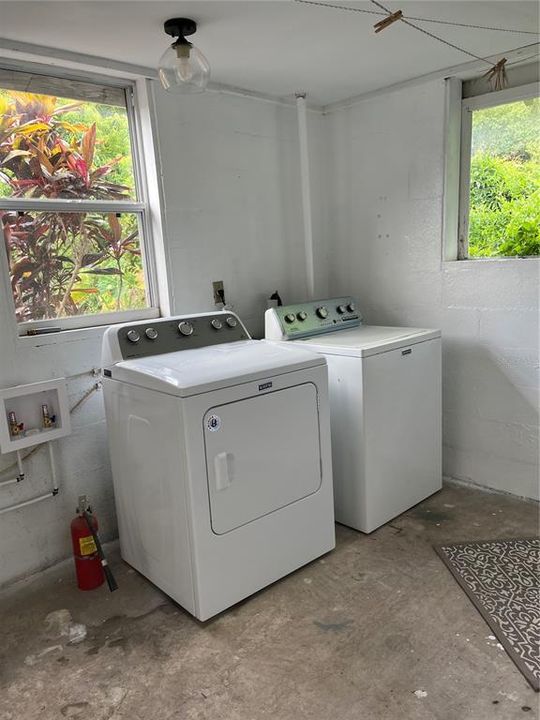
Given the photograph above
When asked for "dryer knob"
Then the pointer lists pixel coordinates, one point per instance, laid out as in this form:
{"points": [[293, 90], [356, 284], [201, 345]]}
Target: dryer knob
{"points": [[302, 315], [151, 333], [186, 328], [231, 321], [290, 317], [322, 312], [341, 309], [351, 307], [216, 324], [133, 336]]}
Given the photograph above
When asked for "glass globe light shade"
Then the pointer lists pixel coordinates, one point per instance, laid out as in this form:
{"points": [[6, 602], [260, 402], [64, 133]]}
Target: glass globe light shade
{"points": [[183, 69]]}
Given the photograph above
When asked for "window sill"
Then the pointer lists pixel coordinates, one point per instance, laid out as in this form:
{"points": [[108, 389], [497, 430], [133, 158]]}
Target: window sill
{"points": [[484, 262], [78, 334], [64, 336]]}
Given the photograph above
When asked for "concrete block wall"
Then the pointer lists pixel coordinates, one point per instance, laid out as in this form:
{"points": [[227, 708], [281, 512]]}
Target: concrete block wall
{"points": [[385, 221]]}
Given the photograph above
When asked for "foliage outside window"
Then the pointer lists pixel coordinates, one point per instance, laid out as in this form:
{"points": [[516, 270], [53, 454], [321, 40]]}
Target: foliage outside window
{"points": [[69, 261], [503, 200]]}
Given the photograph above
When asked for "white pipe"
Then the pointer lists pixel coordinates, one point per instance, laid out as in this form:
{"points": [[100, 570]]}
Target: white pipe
{"points": [[20, 465], [10, 482], [20, 476], [53, 468], [306, 194], [51, 493]]}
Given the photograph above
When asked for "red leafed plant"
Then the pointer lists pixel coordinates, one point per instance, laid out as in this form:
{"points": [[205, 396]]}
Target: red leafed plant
{"points": [[44, 156]]}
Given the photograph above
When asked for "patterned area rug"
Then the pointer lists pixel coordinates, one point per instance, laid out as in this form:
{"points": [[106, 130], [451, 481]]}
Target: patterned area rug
{"points": [[502, 578]]}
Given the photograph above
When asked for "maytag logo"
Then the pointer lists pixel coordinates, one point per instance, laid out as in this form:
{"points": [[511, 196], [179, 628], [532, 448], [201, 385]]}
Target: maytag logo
{"points": [[265, 386]]}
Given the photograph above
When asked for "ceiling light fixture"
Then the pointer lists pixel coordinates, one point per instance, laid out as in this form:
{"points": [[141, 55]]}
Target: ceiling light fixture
{"points": [[182, 67]]}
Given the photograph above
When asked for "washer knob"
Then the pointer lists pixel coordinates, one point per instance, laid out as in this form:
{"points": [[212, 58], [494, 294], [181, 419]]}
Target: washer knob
{"points": [[133, 336], [290, 317], [322, 312], [216, 324], [231, 321], [151, 333], [185, 327], [351, 307], [341, 309], [302, 315]]}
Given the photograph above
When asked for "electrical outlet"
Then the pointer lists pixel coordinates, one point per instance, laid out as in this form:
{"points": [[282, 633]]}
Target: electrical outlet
{"points": [[219, 292]]}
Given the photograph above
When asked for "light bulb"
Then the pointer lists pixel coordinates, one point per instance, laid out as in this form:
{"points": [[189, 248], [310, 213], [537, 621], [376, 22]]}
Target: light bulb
{"points": [[183, 64]]}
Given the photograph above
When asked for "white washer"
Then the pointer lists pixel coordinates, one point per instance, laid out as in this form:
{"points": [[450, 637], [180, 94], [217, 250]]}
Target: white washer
{"points": [[385, 402], [220, 451]]}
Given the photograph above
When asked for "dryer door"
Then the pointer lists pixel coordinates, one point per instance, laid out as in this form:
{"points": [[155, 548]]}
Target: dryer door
{"points": [[262, 453]]}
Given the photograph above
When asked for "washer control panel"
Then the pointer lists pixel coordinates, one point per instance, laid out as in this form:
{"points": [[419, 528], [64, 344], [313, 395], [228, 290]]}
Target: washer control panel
{"points": [[163, 335], [290, 322]]}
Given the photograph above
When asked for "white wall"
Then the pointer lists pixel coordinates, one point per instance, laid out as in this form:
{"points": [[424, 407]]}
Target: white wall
{"points": [[385, 230], [231, 183], [232, 199]]}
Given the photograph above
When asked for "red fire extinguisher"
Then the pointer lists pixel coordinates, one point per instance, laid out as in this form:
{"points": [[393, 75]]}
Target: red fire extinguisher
{"points": [[90, 563]]}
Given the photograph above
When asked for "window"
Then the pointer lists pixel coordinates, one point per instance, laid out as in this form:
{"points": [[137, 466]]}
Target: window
{"points": [[72, 205], [499, 204]]}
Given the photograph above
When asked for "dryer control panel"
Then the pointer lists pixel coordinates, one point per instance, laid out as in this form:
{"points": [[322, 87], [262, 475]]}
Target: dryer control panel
{"points": [[291, 322], [164, 335]]}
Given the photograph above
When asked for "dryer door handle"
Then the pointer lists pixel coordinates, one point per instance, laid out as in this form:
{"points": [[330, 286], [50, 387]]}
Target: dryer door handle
{"points": [[224, 470]]}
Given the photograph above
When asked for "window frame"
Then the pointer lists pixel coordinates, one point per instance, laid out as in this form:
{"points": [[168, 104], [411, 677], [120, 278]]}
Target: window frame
{"points": [[140, 207], [468, 106]]}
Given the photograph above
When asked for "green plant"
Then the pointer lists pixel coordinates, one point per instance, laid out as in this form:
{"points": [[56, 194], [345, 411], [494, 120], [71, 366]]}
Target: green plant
{"points": [[504, 212], [46, 153]]}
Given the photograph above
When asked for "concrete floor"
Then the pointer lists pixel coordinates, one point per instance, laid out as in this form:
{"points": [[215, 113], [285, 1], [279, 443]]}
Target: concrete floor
{"points": [[351, 636]]}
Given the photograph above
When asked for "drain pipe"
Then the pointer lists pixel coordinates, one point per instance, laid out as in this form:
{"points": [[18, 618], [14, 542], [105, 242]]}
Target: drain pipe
{"points": [[306, 193]]}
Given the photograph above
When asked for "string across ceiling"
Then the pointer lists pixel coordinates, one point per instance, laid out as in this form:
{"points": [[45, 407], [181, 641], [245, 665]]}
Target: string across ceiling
{"points": [[497, 72]]}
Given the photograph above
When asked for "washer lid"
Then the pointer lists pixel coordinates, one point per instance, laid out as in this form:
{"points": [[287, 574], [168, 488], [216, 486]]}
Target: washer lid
{"points": [[191, 372], [367, 340]]}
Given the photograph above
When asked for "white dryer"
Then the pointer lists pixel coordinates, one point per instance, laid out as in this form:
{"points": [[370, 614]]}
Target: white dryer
{"points": [[385, 402], [220, 451]]}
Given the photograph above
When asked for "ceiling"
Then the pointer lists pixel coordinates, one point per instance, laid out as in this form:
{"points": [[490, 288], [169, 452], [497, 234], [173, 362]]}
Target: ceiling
{"points": [[278, 47]]}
